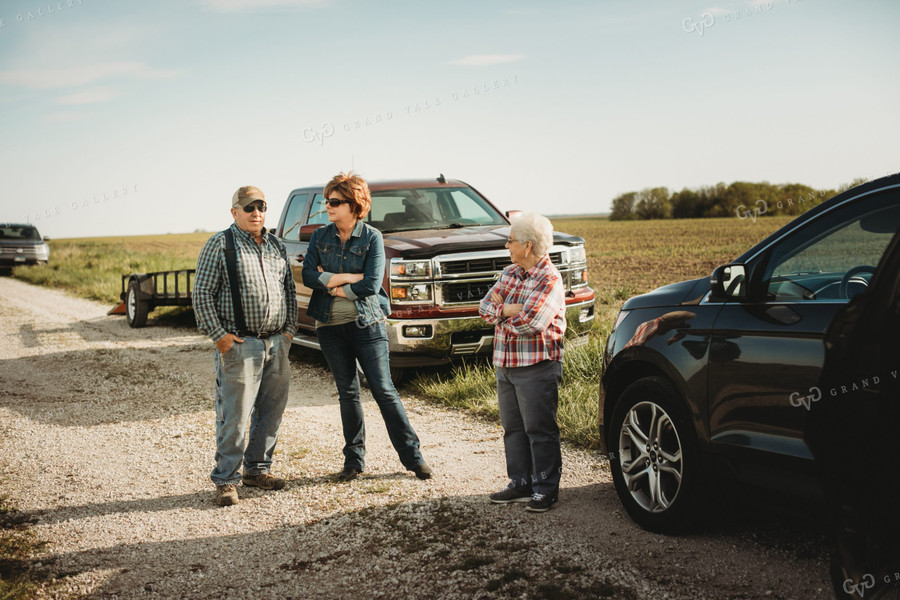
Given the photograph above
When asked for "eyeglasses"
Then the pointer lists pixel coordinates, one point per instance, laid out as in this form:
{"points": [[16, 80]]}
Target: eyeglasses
{"points": [[335, 202], [251, 207]]}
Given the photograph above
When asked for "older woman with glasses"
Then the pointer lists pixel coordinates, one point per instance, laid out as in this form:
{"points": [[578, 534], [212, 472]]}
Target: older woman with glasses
{"points": [[344, 266], [527, 307]]}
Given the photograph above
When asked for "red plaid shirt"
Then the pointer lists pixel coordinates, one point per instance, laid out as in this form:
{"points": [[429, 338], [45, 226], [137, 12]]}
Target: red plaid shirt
{"points": [[536, 333]]}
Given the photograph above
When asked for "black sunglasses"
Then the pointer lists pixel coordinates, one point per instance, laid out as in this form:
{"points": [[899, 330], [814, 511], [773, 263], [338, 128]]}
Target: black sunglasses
{"points": [[335, 202], [250, 208]]}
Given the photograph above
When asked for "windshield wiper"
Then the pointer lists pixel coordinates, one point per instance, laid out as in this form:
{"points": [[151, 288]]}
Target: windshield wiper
{"points": [[454, 226]]}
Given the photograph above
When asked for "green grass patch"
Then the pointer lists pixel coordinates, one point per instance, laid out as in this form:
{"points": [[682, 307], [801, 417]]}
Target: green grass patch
{"points": [[472, 386]]}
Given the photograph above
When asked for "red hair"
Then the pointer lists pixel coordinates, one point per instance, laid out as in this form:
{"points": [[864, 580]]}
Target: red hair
{"points": [[354, 188]]}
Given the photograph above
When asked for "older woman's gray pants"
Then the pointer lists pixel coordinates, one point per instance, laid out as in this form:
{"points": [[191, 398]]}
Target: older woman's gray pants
{"points": [[528, 398]]}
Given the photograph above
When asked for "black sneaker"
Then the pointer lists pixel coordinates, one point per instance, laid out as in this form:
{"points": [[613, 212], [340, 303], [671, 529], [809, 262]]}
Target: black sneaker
{"points": [[510, 495], [348, 474], [422, 470], [541, 503]]}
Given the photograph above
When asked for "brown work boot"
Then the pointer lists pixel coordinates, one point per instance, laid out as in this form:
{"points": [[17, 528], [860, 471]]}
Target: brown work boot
{"points": [[264, 481], [226, 495]]}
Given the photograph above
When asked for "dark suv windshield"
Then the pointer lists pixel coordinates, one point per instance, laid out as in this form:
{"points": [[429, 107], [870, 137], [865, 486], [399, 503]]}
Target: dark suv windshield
{"points": [[19, 232]]}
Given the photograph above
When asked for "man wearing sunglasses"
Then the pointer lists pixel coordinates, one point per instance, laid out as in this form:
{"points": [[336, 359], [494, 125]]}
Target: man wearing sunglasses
{"points": [[244, 300]]}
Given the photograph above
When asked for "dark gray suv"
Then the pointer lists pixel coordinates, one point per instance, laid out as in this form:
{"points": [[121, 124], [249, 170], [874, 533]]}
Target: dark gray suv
{"points": [[717, 377]]}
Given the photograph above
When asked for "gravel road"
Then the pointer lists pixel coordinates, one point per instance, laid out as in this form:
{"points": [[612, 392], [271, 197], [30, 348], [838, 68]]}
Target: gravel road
{"points": [[106, 443]]}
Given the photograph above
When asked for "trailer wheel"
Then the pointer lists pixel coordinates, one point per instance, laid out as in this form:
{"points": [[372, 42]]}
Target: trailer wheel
{"points": [[136, 309]]}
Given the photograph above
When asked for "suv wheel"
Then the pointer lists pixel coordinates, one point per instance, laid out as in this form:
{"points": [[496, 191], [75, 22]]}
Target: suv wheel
{"points": [[656, 466]]}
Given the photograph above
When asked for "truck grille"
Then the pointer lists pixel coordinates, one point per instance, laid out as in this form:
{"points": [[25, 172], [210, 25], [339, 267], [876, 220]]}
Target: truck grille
{"points": [[476, 265], [466, 291], [485, 265], [465, 280]]}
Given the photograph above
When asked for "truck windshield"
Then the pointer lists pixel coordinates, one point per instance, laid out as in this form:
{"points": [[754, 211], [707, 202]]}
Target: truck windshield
{"points": [[430, 208]]}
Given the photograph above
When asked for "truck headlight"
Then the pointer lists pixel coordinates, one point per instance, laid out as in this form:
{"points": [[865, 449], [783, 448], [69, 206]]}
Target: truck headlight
{"points": [[410, 268], [412, 293], [577, 254]]}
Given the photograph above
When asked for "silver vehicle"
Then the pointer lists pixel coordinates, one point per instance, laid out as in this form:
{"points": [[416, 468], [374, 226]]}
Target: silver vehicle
{"points": [[21, 244]]}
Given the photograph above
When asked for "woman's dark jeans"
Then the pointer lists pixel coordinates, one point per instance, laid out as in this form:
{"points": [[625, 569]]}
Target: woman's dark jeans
{"points": [[343, 345]]}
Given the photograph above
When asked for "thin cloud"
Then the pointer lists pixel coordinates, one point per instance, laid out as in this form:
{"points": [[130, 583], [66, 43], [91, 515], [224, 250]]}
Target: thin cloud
{"points": [[74, 76], [91, 96], [242, 5], [486, 60]]}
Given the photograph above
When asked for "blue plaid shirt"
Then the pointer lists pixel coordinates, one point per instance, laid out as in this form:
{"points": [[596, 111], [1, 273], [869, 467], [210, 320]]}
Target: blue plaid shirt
{"points": [[267, 287]]}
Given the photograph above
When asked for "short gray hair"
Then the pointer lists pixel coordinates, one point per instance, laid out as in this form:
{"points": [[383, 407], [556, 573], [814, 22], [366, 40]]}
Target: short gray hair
{"points": [[534, 228]]}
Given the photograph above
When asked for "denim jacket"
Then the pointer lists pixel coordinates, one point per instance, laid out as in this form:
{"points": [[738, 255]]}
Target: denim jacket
{"points": [[362, 253]]}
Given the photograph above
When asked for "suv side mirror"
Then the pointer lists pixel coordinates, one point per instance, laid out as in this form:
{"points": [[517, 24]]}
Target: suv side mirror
{"points": [[728, 282]]}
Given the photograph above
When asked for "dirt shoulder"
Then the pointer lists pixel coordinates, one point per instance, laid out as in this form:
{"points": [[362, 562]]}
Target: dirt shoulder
{"points": [[106, 443]]}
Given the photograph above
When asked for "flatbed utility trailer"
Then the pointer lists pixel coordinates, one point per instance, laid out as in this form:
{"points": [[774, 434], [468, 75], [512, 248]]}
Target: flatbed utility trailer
{"points": [[142, 292]]}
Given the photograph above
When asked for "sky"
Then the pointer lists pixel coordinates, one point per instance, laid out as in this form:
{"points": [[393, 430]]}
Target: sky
{"points": [[126, 117]]}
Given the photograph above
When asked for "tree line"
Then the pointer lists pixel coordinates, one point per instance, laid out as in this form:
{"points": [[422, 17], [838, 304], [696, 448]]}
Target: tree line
{"points": [[742, 199]]}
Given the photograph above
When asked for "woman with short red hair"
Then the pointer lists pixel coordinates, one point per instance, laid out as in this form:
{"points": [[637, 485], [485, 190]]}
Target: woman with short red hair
{"points": [[344, 266]]}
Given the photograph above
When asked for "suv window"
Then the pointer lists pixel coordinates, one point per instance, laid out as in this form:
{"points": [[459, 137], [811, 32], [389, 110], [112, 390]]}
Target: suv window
{"points": [[839, 250]]}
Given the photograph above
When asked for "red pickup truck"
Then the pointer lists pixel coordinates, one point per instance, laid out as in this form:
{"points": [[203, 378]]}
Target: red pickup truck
{"points": [[444, 248]]}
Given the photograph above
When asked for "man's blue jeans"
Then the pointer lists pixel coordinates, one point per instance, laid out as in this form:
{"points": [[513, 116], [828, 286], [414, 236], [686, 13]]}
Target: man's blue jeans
{"points": [[528, 398], [252, 382], [343, 345]]}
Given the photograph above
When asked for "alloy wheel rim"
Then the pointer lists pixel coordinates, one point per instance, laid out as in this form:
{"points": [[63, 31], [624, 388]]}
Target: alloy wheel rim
{"points": [[650, 456]]}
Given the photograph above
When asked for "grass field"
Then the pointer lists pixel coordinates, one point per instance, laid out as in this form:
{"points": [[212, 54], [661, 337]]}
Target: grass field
{"points": [[624, 258]]}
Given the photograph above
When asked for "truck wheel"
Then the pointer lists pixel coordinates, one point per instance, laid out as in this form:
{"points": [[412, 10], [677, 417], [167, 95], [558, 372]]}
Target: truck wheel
{"points": [[397, 374], [136, 309], [656, 464]]}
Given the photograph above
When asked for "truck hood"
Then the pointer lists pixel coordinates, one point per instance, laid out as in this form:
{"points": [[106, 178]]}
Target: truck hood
{"points": [[674, 294], [426, 243]]}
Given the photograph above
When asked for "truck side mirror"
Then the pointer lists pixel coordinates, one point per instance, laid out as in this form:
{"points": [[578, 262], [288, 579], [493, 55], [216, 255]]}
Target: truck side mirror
{"points": [[307, 230], [728, 282]]}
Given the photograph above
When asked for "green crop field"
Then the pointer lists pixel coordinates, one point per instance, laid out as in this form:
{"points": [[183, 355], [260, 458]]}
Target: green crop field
{"points": [[624, 258]]}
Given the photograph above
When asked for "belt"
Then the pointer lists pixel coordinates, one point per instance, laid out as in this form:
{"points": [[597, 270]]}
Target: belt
{"points": [[262, 336]]}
